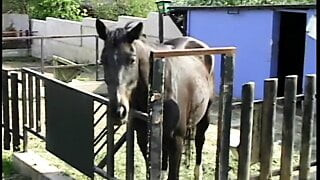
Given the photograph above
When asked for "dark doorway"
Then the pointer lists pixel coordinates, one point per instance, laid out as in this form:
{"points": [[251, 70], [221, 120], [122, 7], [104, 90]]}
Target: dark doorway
{"points": [[291, 48]]}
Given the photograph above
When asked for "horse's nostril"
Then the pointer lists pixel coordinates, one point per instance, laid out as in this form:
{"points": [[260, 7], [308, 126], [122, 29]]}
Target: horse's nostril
{"points": [[121, 111]]}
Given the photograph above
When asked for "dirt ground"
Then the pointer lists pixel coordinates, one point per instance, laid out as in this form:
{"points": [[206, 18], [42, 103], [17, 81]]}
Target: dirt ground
{"points": [[86, 81]]}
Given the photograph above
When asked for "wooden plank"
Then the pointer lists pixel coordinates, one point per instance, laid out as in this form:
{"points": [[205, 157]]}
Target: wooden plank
{"points": [[38, 105], [267, 129], [15, 112], [156, 108], [288, 129], [246, 131], [5, 101], [224, 118], [307, 125], [30, 98], [196, 51]]}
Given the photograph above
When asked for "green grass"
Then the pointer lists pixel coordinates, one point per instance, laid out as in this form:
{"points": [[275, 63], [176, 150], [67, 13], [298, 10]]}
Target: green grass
{"points": [[7, 164]]}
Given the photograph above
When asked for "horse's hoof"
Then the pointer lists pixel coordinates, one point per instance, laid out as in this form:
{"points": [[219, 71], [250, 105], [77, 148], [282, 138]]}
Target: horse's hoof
{"points": [[198, 172]]}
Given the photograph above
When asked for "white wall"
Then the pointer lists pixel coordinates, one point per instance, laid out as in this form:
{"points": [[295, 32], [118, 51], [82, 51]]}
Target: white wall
{"points": [[82, 50], [19, 21]]}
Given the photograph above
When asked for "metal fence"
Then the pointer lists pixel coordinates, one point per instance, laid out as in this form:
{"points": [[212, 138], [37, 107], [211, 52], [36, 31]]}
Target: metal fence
{"points": [[61, 99]]}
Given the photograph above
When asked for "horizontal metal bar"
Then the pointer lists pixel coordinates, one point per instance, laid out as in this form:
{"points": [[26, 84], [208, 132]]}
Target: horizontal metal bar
{"points": [[10, 130], [35, 133], [100, 136], [95, 97], [139, 115], [51, 67], [98, 108], [117, 146], [236, 104], [46, 37], [102, 173], [195, 51], [100, 119]]}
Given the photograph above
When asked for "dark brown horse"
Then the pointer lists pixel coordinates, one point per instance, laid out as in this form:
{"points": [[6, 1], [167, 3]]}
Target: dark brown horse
{"points": [[188, 89]]}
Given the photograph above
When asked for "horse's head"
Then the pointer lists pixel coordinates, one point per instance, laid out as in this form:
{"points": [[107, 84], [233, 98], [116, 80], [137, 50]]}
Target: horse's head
{"points": [[120, 62]]}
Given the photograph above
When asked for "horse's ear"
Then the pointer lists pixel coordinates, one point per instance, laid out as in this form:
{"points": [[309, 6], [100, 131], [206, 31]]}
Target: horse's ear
{"points": [[101, 29], [135, 32]]}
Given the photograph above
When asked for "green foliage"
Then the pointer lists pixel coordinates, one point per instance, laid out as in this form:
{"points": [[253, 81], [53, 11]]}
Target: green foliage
{"points": [[7, 164], [239, 2], [64, 9], [111, 10], [14, 6]]}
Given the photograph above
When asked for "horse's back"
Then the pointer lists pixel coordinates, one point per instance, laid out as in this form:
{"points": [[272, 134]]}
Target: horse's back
{"points": [[190, 43]]}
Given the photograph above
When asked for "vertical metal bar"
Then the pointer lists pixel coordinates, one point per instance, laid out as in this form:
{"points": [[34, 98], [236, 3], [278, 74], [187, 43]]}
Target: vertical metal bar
{"points": [[42, 58], [156, 111], [289, 111], [267, 131], [307, 123], [130, 151], [110, 144], [5, 101], [15, 112], [97, 57], [246, 131], [24, 97], [24, 110], [225, 112], [160, 27], [30, 98], [38, 105]]}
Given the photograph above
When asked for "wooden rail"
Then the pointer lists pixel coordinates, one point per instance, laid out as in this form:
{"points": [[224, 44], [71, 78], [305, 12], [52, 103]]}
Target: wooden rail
{"points": [[194, 52]]}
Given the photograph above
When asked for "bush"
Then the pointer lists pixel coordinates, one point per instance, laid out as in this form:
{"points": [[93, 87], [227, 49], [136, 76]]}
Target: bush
{"points": [[64, 9], [111, 10]]}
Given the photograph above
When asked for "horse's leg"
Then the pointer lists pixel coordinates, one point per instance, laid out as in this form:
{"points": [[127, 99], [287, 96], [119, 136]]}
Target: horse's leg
{"points": [[175, 151], [202, 126], [164, 160], [142, 137]]}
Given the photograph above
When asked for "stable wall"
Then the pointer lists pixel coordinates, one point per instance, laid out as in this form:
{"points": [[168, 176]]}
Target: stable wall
{"points": [[255, 33], [249, 31]]}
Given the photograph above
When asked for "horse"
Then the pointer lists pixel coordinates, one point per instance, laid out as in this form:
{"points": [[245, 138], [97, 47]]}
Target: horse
{"points": [[189, 87]]}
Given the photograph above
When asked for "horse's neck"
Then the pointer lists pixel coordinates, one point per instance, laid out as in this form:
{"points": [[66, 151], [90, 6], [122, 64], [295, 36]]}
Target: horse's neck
{"points": [[140, 95]]}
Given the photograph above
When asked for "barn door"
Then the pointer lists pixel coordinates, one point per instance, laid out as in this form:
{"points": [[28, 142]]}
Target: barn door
{"points": [[291, 47]]}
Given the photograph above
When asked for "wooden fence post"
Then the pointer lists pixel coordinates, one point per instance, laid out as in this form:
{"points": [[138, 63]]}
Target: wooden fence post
{"points": [[246, 131], [156, 114], [307, 123], [224, 117], [289, 111], [267, 131]]}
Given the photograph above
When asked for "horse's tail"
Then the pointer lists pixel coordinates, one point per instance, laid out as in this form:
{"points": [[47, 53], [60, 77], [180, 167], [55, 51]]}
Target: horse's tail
{"points": [[187, 144]]}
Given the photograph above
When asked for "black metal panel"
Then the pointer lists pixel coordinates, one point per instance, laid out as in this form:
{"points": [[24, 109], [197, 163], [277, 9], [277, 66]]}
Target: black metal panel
{"points": [[69, 126]]}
